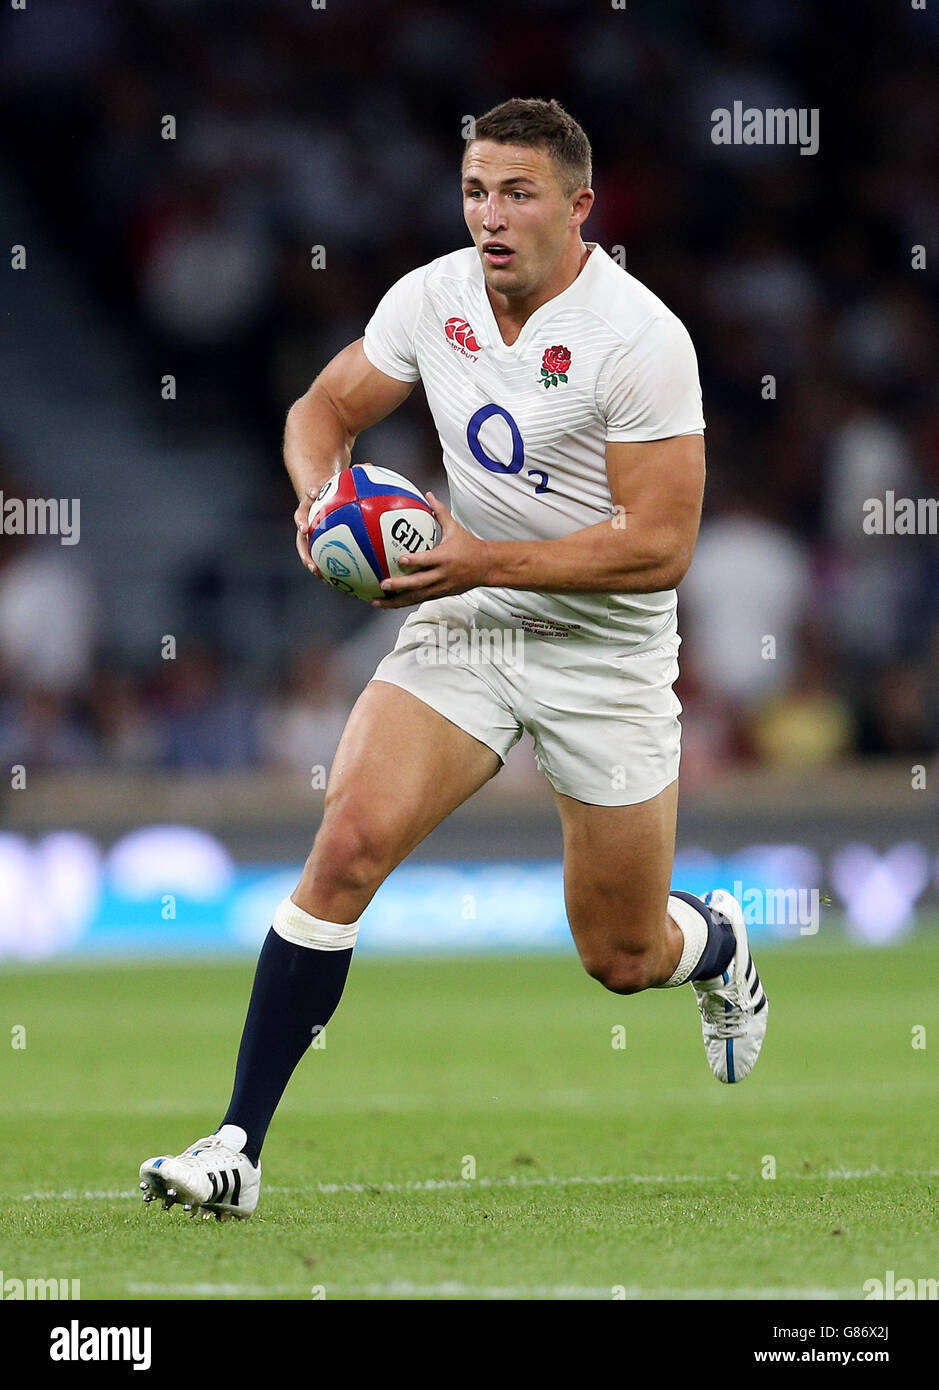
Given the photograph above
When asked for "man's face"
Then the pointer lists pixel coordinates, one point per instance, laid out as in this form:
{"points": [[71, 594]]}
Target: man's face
{"points": [[518, 214]]}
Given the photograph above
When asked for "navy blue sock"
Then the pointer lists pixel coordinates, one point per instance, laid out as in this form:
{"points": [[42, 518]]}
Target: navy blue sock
{"points": [[721, 943], [296, 991]]}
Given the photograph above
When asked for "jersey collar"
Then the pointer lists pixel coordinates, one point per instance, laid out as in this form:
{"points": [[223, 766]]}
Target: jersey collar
{"points": [[549, 307]]}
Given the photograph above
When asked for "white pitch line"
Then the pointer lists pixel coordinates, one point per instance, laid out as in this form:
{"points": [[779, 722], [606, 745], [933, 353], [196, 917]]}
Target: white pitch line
{"points": [[468, 1184], [115, 1194], [328, 1189], [452, 1289], [403, 1289], [216, 1290], [655, 1179]]}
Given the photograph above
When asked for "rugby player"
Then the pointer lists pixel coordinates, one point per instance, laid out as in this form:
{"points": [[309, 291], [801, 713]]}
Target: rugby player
{"points": [[567, 401]]}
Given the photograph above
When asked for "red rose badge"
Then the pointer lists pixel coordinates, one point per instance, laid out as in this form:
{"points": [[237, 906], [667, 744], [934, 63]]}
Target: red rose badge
{"points": [[554, 366]]}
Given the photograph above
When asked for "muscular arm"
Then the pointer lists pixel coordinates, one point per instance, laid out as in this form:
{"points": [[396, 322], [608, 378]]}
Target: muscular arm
{"points": [[657, 490], [646, 547], [347, 397]]}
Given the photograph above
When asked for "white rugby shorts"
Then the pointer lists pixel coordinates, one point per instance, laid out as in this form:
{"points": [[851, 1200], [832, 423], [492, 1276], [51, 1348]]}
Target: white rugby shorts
{"points": [[604, 723]]}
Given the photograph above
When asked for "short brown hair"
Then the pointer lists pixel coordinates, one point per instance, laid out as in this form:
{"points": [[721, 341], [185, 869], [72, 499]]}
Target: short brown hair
{"points": [[541, 125]]}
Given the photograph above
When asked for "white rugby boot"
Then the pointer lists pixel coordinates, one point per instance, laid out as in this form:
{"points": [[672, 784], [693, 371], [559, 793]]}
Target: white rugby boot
{"points": [[210, 1176], [733, 1006]]}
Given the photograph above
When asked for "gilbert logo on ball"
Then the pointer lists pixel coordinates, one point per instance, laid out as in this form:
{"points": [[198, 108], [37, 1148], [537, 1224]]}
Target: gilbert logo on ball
{"points": [[361, 522]]}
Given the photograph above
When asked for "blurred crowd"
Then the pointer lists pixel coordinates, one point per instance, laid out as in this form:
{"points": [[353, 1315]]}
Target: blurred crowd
{"points": [[314, 159]]}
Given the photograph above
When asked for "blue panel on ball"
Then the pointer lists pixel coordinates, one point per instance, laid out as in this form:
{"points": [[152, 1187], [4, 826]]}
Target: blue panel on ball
{"points": [[350, 516], [366, 487]]}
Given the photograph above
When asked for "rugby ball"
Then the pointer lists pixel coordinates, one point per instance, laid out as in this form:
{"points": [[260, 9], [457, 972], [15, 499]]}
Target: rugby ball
{"points": [[361, 522]]}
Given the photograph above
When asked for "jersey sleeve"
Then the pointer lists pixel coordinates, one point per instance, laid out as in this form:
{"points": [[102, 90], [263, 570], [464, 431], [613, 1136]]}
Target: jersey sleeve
{"points": [[650, 388], [389, 333]]}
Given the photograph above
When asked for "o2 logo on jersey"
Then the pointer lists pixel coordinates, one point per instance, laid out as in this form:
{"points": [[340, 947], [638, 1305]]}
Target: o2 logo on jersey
{"points": [[461, 337], [493, 465], [479, 453]]}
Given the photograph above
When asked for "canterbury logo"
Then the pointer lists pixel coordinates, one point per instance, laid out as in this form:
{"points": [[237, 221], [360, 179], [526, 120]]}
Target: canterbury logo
{"points": [[461, 335]]}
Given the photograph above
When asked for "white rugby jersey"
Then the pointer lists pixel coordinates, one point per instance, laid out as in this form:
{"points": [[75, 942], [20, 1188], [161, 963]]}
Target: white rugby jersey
{"points": [[524, 428]]}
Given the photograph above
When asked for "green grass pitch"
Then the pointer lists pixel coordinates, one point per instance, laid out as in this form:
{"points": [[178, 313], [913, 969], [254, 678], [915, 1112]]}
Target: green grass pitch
{"points": [[597, 1168]]}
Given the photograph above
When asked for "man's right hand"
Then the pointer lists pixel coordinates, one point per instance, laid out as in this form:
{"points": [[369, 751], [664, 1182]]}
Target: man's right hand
{"points": [[302, 518], [348, 396]]}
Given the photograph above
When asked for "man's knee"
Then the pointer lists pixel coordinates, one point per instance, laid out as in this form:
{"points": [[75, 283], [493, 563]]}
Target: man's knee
{"points": [[348, 853], [622, 972]]}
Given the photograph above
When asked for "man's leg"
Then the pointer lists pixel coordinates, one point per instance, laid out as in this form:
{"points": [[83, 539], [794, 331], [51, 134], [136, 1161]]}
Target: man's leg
{"points": [[632, 934], [400, 769], [617, 867]]}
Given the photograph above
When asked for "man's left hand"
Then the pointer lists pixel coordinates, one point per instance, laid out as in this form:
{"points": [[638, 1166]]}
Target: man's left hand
{"points": [[459, 561]]}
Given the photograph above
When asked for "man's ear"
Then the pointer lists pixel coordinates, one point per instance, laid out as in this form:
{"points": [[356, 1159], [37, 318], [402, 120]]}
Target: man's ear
{"points": [[581, 204]]}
